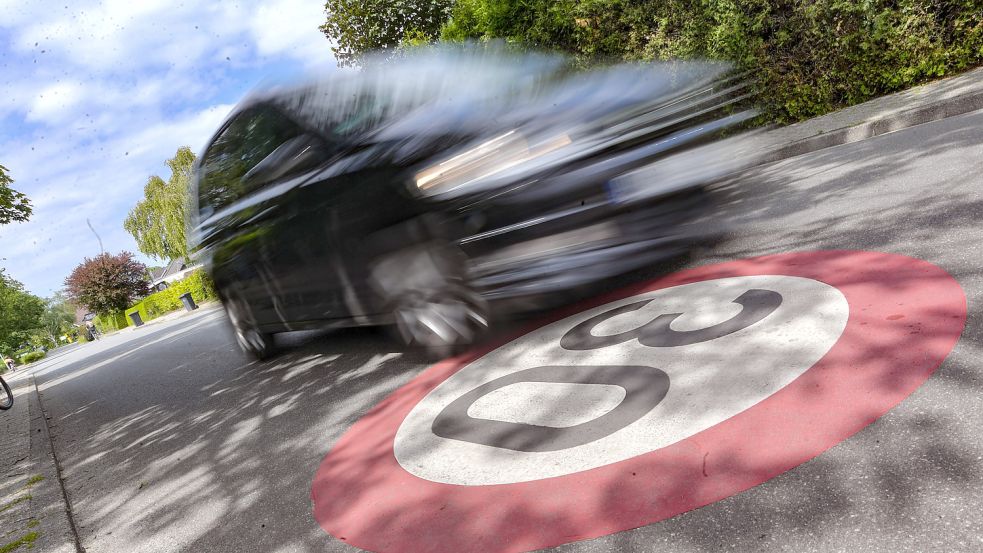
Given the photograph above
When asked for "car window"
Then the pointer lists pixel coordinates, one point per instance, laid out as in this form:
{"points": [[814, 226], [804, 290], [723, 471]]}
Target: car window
{"points": [[244, 142]]}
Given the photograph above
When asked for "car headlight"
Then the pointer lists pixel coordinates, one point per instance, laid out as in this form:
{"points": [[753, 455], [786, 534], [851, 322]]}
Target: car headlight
{"points": [[484, 160]]}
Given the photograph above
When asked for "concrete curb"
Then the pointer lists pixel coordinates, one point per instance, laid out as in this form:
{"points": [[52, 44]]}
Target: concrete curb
{"points": [[922, 104], [49, 504], [878, 126]]}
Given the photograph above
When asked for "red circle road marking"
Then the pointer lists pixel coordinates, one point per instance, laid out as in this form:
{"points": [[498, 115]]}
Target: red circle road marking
{"points": [[363, 496]]}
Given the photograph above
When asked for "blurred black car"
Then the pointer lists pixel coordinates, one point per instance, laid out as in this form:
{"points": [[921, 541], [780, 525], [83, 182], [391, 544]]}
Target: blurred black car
{"points": [[414, 193]]}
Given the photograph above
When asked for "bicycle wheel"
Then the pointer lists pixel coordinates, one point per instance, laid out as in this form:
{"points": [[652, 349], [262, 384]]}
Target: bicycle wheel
{"points": [[6, 396]]}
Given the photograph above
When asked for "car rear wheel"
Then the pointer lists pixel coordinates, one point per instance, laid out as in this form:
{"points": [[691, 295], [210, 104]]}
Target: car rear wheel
{"points": [[251, 340]]}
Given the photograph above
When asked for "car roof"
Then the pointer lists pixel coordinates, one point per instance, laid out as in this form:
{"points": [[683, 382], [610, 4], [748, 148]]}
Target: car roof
{"points": [[469, 88]]}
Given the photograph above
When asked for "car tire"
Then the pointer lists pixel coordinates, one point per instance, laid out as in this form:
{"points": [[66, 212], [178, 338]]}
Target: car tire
{"points": [[426, 290], [258, 344], [444, 323]]}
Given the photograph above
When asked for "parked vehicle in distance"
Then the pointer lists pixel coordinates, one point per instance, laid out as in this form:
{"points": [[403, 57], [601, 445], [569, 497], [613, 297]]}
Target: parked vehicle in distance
{"points": [[413, 193]]}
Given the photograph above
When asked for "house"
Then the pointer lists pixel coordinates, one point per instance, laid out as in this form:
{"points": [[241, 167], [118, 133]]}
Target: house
{"points": [[83, 314], [176, 270]]}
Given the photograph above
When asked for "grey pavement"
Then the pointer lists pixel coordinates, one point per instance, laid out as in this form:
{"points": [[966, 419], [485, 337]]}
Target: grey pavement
{"points": [[32, 505], [33, 509], [169, 439], [15, 449]]}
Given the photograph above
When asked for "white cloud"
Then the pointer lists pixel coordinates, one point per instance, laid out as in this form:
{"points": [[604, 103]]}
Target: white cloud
{"points": [[97, 96], [270, 19], [189, 130], [54, 102], [107, 36], [114, 36], [20, 12]]}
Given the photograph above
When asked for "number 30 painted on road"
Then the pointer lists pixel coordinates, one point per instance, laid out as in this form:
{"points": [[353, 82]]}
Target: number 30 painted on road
{"points": [[642, 405]]}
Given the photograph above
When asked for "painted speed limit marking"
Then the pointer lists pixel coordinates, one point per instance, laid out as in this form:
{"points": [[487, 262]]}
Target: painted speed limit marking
{"points": [[679, 360], [645, 404]]}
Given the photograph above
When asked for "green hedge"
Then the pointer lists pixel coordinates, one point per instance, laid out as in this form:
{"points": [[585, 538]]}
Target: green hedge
{"points": [[808, 57], [110, 322], [168, 300], [31, 357]]}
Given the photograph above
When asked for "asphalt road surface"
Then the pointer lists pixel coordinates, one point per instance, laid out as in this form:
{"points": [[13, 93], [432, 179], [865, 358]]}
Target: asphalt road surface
{"points": [[170, 439]]}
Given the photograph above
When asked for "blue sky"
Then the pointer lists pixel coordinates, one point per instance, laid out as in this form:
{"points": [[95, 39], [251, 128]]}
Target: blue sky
{"points": [[95, 96]]}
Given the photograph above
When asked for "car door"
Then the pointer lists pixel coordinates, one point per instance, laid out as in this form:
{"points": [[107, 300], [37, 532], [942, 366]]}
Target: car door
{"points": [[250, 173]]}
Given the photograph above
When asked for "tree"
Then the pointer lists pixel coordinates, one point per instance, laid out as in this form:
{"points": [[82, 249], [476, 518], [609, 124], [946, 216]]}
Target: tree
{"points": [[356, 27], [157, 223], [107, 283], [20, 313], [58, 317], [14, 206]]}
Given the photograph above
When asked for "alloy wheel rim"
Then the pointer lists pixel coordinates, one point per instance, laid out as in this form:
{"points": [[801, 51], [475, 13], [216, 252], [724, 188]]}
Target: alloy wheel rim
{"points": [[445, 322]]}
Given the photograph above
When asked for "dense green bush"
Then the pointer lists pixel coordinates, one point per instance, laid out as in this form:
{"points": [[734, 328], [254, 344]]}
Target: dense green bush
{"points": [[168, 300], [110, 322], [31, 357], [542, 23], [808, 56]]}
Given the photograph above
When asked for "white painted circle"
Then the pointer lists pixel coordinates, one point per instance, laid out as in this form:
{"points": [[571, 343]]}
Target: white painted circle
{"points": [[710, 381]]}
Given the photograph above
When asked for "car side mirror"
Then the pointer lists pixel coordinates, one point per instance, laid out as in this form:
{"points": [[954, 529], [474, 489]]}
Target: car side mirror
{"points": [[296, 155]]}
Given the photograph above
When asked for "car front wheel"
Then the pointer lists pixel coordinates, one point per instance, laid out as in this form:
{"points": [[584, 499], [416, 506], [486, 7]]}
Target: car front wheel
{"points": [[427, 292], [444, 322]]}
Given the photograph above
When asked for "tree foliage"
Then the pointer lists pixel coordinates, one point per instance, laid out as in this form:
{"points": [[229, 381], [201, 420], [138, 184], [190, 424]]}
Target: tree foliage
{"points": [[158, 221], [808, 58], [14, 206], [356, 27], [59, 316], [20, 313], [107, 283]]}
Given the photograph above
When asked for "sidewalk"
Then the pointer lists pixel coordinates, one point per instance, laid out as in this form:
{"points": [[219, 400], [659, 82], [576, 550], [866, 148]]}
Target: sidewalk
{"points": [[723, 158], [32, 508], [207, 306], [921, 104]]}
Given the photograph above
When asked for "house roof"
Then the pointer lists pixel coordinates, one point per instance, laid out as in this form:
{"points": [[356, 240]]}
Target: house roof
{"points": [[157, 272], [175, 266]]}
